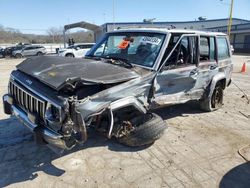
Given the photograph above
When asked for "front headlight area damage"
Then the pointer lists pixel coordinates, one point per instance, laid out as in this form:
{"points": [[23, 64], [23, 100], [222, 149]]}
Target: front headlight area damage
{"points": [[118, 113], [57, 118]]}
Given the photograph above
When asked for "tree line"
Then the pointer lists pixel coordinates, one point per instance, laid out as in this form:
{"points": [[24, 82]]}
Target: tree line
{"points": [[53, 35]]}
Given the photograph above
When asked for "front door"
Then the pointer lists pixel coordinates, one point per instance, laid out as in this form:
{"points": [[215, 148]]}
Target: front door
{"points": [[177, 77], [79, 51]]}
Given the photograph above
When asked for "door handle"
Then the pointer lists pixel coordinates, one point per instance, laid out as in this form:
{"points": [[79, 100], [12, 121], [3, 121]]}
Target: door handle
{"points": [[212, 67]]}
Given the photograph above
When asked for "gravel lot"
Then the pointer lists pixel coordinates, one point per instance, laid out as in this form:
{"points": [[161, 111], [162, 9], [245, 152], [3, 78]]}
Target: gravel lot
{"points": [[198, 150]]}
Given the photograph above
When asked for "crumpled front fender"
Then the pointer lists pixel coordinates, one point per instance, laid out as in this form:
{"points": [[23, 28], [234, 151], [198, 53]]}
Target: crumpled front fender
{"points": [[92, 107]]}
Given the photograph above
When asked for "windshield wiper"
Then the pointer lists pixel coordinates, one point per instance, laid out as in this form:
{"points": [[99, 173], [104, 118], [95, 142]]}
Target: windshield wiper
{"points": [[115, 60]]}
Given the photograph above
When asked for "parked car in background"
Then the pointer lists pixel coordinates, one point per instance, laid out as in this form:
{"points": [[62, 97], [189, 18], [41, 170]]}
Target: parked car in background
{"points": [[2, 53], [31, 50], [9, 50], [77, 50]]}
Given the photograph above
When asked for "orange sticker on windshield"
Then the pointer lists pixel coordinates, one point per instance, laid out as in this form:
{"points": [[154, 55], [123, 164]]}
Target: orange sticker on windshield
{"points": [[123, 45]]}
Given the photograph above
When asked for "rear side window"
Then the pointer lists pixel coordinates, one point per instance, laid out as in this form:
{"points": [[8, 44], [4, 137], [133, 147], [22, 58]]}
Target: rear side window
{"points": [[223, 49], [89, 46], [212, 49], [204, 48], [28, 48], [86, 46], [207, 49]]}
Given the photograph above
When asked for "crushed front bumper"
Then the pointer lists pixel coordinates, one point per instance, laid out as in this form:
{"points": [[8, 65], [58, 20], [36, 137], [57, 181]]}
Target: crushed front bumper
{"points": [[42, 134]]}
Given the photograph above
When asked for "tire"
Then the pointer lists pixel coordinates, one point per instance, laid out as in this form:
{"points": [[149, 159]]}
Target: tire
{"points": [[145, 133], [39, 53], [18, 56], [69, 55], [214, 102]]}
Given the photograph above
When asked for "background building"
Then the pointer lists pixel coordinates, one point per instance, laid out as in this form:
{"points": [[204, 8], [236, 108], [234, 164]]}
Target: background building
{"points": [[240, 31]]}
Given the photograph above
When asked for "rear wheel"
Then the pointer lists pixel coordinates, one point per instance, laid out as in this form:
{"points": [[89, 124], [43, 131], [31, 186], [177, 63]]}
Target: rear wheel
{"points": [[39, 53], [215, 101], [69, 55], [147, 130]]}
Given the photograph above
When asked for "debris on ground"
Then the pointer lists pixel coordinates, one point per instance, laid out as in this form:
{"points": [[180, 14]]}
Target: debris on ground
{"points": [[244, 152]]}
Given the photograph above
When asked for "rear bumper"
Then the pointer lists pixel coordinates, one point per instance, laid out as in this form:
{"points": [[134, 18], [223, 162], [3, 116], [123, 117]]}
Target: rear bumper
{"points": [[45, 134]]}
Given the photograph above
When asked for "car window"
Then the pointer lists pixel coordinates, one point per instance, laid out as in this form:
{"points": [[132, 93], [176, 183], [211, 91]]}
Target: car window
{"points": [[172, 42], [184, 54], [80, 47], [87, 46], [71, 47], [90, 45], [204, 48], [223, 49], [207, 49], [135, 48], [28, 48], [212, 48]]}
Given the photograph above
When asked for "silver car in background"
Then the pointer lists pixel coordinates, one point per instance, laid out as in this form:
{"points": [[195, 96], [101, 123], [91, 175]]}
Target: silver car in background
{"points": [[31, 50], [76, 50]]}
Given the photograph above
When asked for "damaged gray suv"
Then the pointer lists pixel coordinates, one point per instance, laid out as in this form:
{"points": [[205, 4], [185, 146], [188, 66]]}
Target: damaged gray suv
{"points": [[116, 86]]}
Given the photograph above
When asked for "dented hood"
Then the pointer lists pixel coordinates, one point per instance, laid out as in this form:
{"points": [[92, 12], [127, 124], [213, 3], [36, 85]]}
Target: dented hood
{"points": [[58, 71]]}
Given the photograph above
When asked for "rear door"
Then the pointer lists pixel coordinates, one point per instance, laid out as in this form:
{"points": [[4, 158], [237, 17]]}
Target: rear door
{"points": [[208, 65], [178, 74], [28, 51], [225, 64]]}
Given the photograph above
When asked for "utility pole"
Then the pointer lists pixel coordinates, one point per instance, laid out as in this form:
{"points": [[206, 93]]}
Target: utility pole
{"points": [[230, 18], [113, 14]]}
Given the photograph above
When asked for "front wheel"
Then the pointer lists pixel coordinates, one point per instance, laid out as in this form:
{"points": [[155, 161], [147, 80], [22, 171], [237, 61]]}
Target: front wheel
{"points": [[215, 101], [18, 56], [149, 128], [69, 55]]}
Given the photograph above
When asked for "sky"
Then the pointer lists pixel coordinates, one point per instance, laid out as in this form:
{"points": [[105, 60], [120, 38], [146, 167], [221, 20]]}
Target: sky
{"points": [[37, 16]]}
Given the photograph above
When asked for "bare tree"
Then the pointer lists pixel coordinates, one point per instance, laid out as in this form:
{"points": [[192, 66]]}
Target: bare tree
{"points": [[56, 34]]}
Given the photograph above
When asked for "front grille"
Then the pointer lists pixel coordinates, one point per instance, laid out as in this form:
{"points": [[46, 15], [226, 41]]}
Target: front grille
{"points": [[26, 100]]}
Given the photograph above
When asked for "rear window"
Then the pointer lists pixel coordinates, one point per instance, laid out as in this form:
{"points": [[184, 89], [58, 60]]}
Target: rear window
{"points": [[223, 49]]}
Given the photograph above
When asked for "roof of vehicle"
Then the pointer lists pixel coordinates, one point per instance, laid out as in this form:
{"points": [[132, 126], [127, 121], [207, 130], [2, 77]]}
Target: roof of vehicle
{"points": [[83, 44], [166, 31], [34, 46]]}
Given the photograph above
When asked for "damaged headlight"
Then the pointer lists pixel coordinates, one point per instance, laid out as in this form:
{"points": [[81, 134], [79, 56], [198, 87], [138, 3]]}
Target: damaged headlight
{"points": [[53, 115]]}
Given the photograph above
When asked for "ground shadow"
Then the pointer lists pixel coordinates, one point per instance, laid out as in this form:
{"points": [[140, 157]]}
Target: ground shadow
{"points": [[21, 158], [237, 177]]}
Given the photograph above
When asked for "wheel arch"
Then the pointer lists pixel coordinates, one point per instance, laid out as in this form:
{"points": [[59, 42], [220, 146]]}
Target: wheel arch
{"points": [[69, 53], [18, 54], [219, 78]]}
